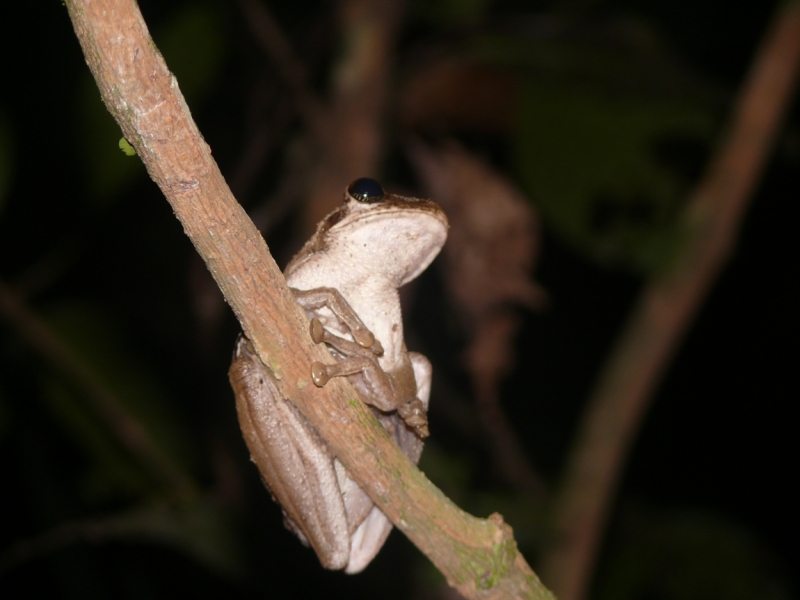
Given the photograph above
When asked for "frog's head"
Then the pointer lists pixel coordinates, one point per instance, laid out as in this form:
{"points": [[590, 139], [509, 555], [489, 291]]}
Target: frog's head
{"points": [[381, 232]]}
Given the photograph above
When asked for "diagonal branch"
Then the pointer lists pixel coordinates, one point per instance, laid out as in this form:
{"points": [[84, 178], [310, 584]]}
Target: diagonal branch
{"points": [[478, 557], [666, 308]]}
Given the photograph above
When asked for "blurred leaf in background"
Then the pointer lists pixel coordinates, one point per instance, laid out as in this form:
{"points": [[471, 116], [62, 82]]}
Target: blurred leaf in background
{"points": [[606, 128], [200, 529], [603, 136], [592, 165]]}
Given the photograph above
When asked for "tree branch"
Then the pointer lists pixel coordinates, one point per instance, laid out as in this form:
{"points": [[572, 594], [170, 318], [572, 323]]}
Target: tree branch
{"points": [[478, 557], [665, 310]]}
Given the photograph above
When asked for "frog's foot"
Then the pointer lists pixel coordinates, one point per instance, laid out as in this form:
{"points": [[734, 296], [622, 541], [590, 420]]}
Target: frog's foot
{"points": [[413, 413], [332, 299]]}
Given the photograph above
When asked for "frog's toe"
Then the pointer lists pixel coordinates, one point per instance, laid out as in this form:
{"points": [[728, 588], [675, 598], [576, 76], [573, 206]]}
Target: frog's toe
{"points": [[319, 374], [364, 337]]}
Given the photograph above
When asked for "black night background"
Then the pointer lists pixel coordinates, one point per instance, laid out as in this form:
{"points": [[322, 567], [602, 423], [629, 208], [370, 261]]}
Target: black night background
{"points": [[93, 253]]}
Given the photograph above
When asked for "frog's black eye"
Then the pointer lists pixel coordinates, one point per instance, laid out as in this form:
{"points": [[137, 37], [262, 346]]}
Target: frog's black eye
{"points": [[366, 190]]}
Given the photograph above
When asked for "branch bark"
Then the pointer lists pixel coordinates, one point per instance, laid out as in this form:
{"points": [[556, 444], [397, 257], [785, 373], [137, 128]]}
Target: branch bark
{"points": [[478, 557], [665, 310]]}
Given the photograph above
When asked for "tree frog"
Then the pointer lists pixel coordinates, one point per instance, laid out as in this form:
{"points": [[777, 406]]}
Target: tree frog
{"points": [[346, 277]]}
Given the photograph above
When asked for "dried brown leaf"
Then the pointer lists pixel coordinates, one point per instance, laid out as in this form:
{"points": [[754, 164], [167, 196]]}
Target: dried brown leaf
{"points": [[458, 95], [494, 232], [492, 246]]}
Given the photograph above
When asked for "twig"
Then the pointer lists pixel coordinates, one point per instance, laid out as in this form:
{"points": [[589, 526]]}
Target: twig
{"points": [[271, 210], [478, 557], [270, 36], [666, 308], [159, 522], [62, 536], [346, 131], [496, 333], [358, 96], [47, 269], [125, 426], [264, 137]]}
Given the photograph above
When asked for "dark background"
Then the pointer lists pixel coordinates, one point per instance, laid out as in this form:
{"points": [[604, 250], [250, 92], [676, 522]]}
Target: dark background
{"points": [[706, 507]]}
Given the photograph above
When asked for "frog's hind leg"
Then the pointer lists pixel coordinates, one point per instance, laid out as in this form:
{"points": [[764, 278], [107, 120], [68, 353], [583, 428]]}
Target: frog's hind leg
{"points": [[294, 462], [367, 540]]}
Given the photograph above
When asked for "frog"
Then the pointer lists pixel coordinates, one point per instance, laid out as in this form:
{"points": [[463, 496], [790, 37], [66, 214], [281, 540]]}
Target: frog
{"points": [[346, 277]]}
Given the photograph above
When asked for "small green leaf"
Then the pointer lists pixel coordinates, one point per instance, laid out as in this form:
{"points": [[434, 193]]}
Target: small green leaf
{"points": [[109, 170], [126, 147]]}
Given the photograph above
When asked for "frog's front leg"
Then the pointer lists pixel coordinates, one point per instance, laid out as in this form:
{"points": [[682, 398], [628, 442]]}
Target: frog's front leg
{"points": [[383, 390], [386, 391], [314, 299]]}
